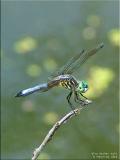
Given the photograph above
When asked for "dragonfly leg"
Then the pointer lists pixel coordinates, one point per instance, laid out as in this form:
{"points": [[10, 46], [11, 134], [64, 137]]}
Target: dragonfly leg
{"points": [[83, 95], [79, 100], [68, 99]]}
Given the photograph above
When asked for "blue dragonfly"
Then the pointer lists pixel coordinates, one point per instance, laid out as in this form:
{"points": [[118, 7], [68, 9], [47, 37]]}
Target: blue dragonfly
{"points": [[63, 77]]}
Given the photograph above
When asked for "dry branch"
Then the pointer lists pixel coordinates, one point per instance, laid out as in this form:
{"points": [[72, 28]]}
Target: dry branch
{"points": [[52, 131], [55, 127]]}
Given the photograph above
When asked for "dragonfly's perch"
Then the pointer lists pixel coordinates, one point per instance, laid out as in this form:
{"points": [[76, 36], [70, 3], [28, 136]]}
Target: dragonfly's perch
{"points": [[55, 127]]}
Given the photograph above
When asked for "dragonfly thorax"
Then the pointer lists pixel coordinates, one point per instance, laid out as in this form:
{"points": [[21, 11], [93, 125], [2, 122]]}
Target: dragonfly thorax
{"points": [[82, 87]]}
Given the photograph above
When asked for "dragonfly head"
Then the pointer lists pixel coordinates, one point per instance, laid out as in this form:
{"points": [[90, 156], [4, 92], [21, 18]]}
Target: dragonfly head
{"points": [[82, 87]]}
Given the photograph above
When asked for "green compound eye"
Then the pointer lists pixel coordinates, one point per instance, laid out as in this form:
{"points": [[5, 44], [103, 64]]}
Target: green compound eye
{"points": [[82, 86], [85, 84]]}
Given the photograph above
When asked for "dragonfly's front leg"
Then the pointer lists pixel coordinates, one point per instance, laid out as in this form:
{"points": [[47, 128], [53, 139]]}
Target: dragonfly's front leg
{"points": [[68, 99], [77, 98], [87, 101], [83, 95], [80, 101]]}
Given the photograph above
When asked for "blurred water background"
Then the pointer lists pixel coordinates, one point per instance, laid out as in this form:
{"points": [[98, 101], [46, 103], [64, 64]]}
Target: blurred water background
{"points": [[37, 38]]}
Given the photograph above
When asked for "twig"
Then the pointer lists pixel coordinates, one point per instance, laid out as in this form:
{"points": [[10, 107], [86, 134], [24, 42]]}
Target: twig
{"points": [[52, 131]]}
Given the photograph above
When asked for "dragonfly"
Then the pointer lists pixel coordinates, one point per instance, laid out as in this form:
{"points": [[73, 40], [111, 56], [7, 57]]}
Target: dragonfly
{"points": [[64, 77]]}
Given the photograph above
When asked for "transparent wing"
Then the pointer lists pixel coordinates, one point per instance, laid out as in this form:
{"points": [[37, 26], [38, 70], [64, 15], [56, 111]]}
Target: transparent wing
{"points": [[63, 70], [75, 62], [83, 58]]}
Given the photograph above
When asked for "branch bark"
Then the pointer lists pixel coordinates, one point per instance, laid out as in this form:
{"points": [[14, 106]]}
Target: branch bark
{"points": [[55, 127], [52, 131]]}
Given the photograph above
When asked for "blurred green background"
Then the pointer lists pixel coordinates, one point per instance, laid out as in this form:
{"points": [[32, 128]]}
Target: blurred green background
{"points": [[39, 37]]}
